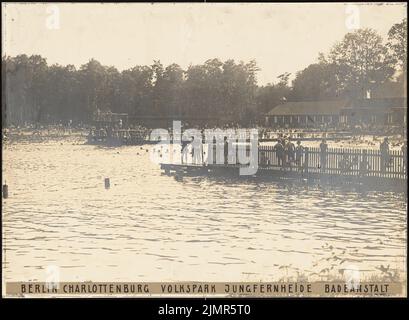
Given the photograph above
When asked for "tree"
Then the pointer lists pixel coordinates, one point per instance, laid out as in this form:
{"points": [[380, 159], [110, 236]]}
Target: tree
{"points": [[34, 92], [171, 94], [135, 91], [94, 80], [271, 95], [283, 79], [316, 82], [239, 86], [24, 86], [397, 43], [361, 62]]}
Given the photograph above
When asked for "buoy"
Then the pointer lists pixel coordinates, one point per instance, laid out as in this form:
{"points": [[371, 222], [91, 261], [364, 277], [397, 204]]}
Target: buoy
{"points": [[107, 183], [5, 191]]}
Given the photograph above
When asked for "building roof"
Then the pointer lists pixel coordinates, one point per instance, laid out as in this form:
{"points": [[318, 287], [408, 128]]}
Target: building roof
{"points": [[379, 103], [335, 107], [325, 107]]}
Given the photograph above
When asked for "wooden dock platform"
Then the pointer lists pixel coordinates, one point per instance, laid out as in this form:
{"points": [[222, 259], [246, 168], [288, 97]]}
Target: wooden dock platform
{"points": [[337, 166]]}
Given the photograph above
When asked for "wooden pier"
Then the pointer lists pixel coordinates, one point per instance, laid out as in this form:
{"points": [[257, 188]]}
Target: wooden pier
{"points": [[365, 167]]}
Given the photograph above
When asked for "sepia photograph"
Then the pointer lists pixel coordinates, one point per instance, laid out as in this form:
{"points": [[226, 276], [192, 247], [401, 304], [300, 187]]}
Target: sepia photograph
{"points": [[204, 150]]}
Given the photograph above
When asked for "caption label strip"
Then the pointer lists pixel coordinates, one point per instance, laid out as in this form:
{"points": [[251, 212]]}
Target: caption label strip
{"points": [[233, 289]]}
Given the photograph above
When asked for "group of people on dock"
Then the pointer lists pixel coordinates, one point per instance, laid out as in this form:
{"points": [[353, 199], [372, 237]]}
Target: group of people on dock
{"points": [[287, 156]]}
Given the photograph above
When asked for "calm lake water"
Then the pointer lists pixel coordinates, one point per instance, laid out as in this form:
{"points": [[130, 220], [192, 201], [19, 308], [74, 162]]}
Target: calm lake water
{"points": [[150, 227]]}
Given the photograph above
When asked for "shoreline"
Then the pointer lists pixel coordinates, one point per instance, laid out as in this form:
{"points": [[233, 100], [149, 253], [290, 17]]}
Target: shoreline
{"points": [[44, 135]]}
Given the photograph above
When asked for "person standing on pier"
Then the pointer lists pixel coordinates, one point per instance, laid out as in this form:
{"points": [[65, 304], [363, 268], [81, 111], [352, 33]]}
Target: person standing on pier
{"points": [[290, 150], [384, 149], [184, 151], [364, 164], [279, 149], [226, 150], [192, 150], [211, 151], [323, 155], [69, 125], [197, 150], [299, 150]]}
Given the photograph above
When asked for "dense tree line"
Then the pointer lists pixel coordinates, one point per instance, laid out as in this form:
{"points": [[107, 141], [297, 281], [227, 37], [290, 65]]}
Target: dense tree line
{"points": [[34, 92]]}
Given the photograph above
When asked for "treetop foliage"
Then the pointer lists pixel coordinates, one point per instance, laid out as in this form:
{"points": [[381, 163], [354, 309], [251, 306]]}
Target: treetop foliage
{"points": [[34, 91]]}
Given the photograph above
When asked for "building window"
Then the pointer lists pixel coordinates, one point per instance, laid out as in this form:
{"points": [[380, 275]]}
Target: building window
{"points": [[298, 119], [275, 119]]}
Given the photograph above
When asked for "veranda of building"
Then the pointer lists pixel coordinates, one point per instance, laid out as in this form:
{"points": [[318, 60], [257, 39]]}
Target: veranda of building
{"points": [[377, 112]]}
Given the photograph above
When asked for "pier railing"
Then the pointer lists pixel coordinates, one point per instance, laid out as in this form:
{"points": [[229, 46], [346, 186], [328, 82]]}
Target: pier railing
{"points": [[339, 161]]}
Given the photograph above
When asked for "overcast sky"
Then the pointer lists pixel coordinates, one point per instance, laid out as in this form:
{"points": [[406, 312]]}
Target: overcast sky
{"points": [[280, 37]]}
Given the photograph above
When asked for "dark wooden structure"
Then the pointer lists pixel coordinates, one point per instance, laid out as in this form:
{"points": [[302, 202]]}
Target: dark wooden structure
{"points": [[357, 166], [378, 112], [293, 114], [114, 129]]}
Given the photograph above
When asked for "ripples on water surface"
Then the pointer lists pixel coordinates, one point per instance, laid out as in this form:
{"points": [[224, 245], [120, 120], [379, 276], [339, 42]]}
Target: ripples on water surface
{"points": [[150, 227]]}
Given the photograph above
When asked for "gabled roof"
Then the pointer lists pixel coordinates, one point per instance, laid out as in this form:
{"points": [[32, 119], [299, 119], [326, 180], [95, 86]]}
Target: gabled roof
{"points": [[324, 107]]}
